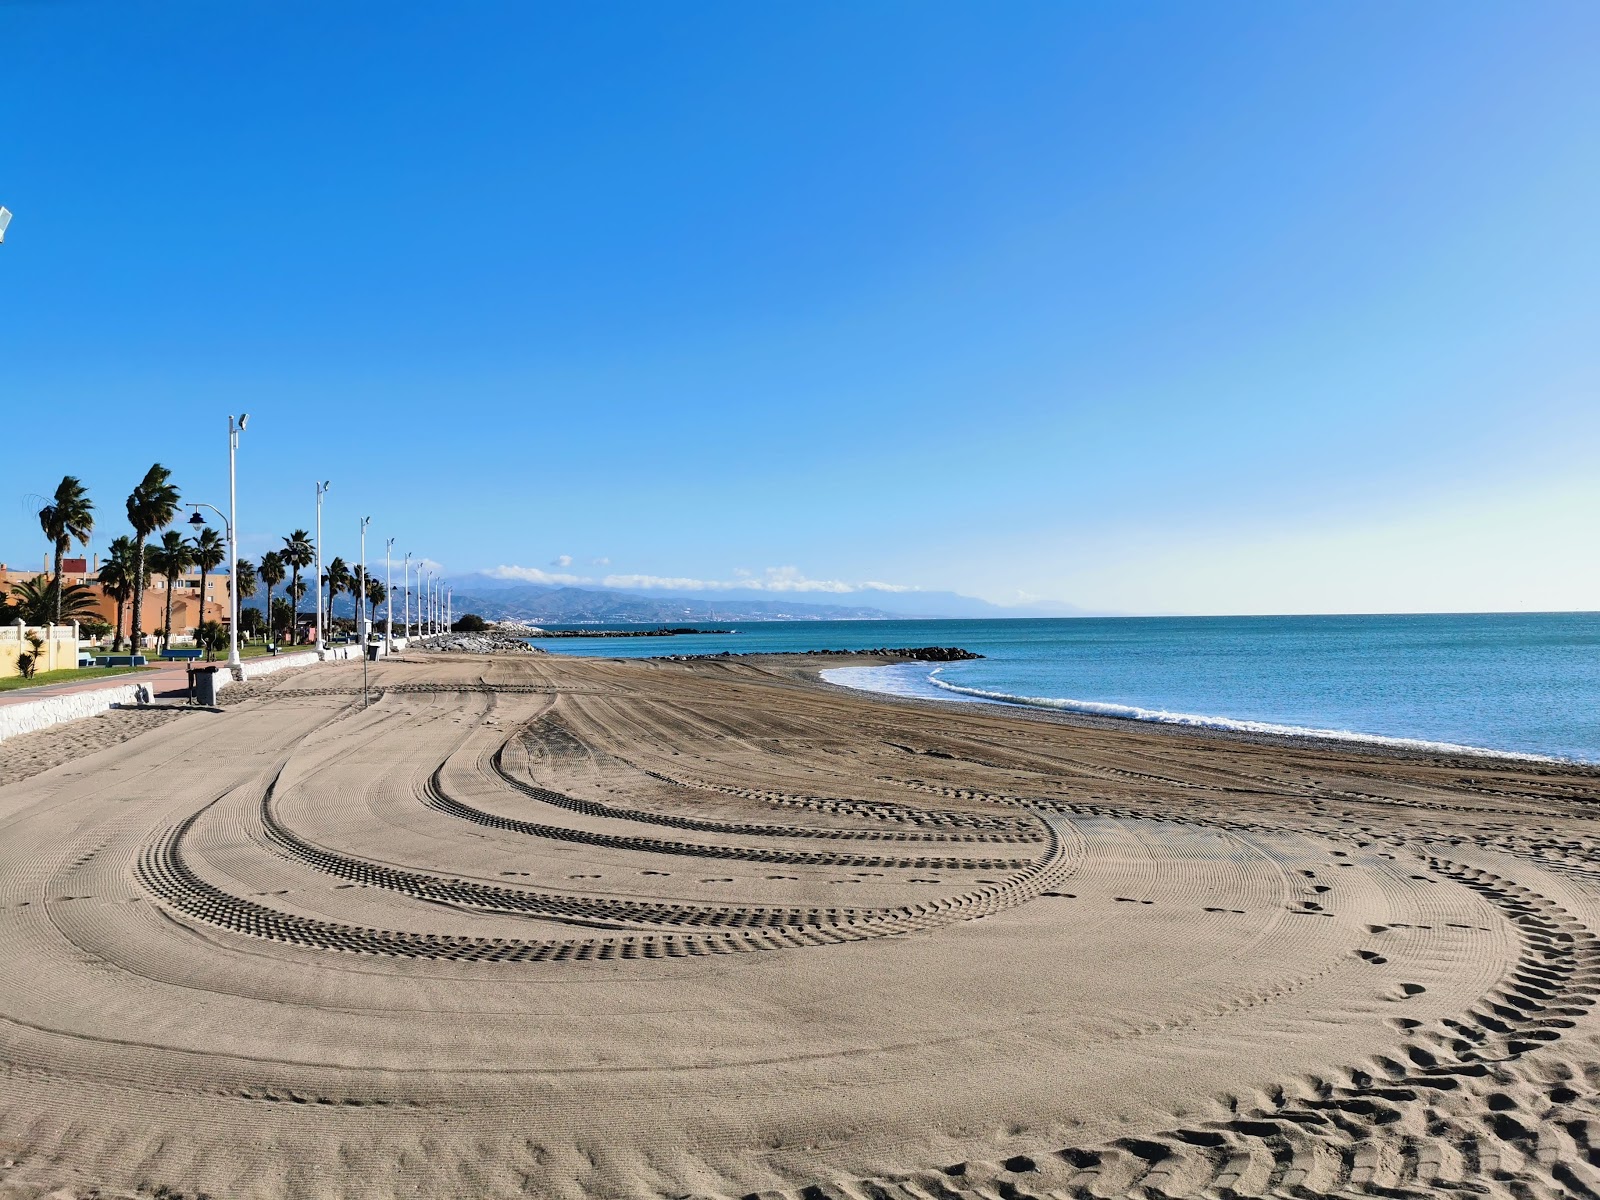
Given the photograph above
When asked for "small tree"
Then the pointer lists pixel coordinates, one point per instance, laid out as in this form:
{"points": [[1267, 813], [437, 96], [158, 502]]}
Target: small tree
{"points": [[27, 664], [282, 615], [250, 621], [212, 636], [469, 623]]}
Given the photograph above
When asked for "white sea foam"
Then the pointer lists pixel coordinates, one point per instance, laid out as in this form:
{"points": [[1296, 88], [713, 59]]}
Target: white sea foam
{"points": [[899, 681]]}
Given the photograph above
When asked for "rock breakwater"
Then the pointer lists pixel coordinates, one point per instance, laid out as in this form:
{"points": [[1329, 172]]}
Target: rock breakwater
{"points": [[904, 653], [477, 643]]}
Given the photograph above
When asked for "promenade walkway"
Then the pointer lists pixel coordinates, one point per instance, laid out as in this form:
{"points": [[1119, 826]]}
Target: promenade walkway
{"points": [[164, 681]]}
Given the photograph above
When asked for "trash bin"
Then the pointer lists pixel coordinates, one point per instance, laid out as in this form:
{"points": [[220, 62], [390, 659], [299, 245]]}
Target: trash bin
{"points": [[205, 691], [372, 651]]}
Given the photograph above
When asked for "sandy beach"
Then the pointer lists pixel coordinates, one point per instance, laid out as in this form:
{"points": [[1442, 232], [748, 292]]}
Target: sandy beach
{"points": [[561, 927]]}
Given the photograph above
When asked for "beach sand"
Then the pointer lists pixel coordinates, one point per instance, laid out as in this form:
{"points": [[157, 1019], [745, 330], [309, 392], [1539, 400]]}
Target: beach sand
{"points": [[547, 926]]}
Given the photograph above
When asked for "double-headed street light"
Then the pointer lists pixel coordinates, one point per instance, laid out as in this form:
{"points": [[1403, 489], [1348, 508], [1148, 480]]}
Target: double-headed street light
{"points": [[233, 616]]}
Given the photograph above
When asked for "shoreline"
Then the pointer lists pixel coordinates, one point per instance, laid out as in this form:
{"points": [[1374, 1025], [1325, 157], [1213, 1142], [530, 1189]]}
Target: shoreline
{"points": [[1380, 745]]}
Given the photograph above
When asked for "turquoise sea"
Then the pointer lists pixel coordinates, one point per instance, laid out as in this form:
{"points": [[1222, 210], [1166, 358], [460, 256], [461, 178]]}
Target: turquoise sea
{"points": [[1526, 684]]}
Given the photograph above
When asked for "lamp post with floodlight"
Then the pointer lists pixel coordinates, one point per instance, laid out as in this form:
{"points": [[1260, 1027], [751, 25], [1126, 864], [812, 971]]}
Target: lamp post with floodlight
{"points": [[388, 597], [408, 596], [361, 610], [322, 631], [235, 428]]}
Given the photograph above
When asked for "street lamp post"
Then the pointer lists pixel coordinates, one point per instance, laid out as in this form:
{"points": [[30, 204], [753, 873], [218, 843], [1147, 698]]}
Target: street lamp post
{"points": [[322, 626], [388, 596], [233, 542], [361, 614], [197, 520], [408, 596]]}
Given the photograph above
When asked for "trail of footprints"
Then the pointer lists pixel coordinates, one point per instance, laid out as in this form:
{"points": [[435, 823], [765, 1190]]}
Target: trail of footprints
{"points": [[1443, 1117]]}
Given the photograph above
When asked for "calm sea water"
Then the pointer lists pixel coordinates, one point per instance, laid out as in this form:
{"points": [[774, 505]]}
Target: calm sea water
{"points": [[1518, 683]]}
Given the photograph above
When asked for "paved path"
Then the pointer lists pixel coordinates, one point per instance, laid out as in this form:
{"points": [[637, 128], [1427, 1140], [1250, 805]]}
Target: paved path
{"points": [[166, 679]]}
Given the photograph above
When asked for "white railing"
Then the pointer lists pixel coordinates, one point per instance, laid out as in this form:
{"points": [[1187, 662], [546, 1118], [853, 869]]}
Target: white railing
{"points": [[49, 633]]}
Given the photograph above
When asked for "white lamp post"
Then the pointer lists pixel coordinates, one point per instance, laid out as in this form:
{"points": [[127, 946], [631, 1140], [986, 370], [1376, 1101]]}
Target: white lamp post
{"points": [[361, 615], [322, 630], [408, 596], [233, 542], [388, 596], [197, 520]]}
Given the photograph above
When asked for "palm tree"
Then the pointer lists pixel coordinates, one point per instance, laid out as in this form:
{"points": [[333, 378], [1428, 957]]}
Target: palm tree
{"points": [[208, 550], [38, 601], [172, 558], [69, 515], [297, 593], [151, 506], [282, 614], [247, 588], [298, 553], [376, 594], [272, 574], [116, 580], [337, 578]]}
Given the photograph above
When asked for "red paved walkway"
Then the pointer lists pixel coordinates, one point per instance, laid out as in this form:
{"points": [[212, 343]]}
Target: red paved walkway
{"points": [[168, 679]]}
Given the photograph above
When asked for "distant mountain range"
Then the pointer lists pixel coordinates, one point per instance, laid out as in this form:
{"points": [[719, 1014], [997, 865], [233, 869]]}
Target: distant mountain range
{"points": [[545, 604], [549, 604]]}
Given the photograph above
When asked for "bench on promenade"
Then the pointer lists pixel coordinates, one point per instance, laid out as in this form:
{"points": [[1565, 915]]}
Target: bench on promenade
{"points": [[179, 655], [120, 660]]}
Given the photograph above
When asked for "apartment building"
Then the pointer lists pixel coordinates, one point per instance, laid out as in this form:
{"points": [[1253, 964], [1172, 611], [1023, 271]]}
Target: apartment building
{"points": [[189, 606]]}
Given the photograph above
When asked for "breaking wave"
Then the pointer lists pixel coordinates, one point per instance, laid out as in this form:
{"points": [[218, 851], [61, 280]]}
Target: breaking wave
{"points": [[898, 681]]}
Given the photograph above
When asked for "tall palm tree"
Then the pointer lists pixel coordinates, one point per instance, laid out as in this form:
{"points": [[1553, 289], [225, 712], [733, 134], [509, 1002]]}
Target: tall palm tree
{"points": [[272, 573], [151, 506], [69, 515], [297, 593], [172, 558], [298, 553], [376, 595], [247, 588], [337, 577], [208, 550], [116, 580]]}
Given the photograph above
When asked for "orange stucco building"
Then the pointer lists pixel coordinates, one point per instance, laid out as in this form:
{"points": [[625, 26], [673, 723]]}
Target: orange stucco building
{"points": [[189, 608]]}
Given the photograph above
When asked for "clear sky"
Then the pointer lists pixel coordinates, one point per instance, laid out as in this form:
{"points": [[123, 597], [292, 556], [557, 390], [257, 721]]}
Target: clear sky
{"points": [[1137, 307]]}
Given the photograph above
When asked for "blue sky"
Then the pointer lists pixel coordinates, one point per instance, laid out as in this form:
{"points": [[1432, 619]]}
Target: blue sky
{"points": [[1141, 308]]}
